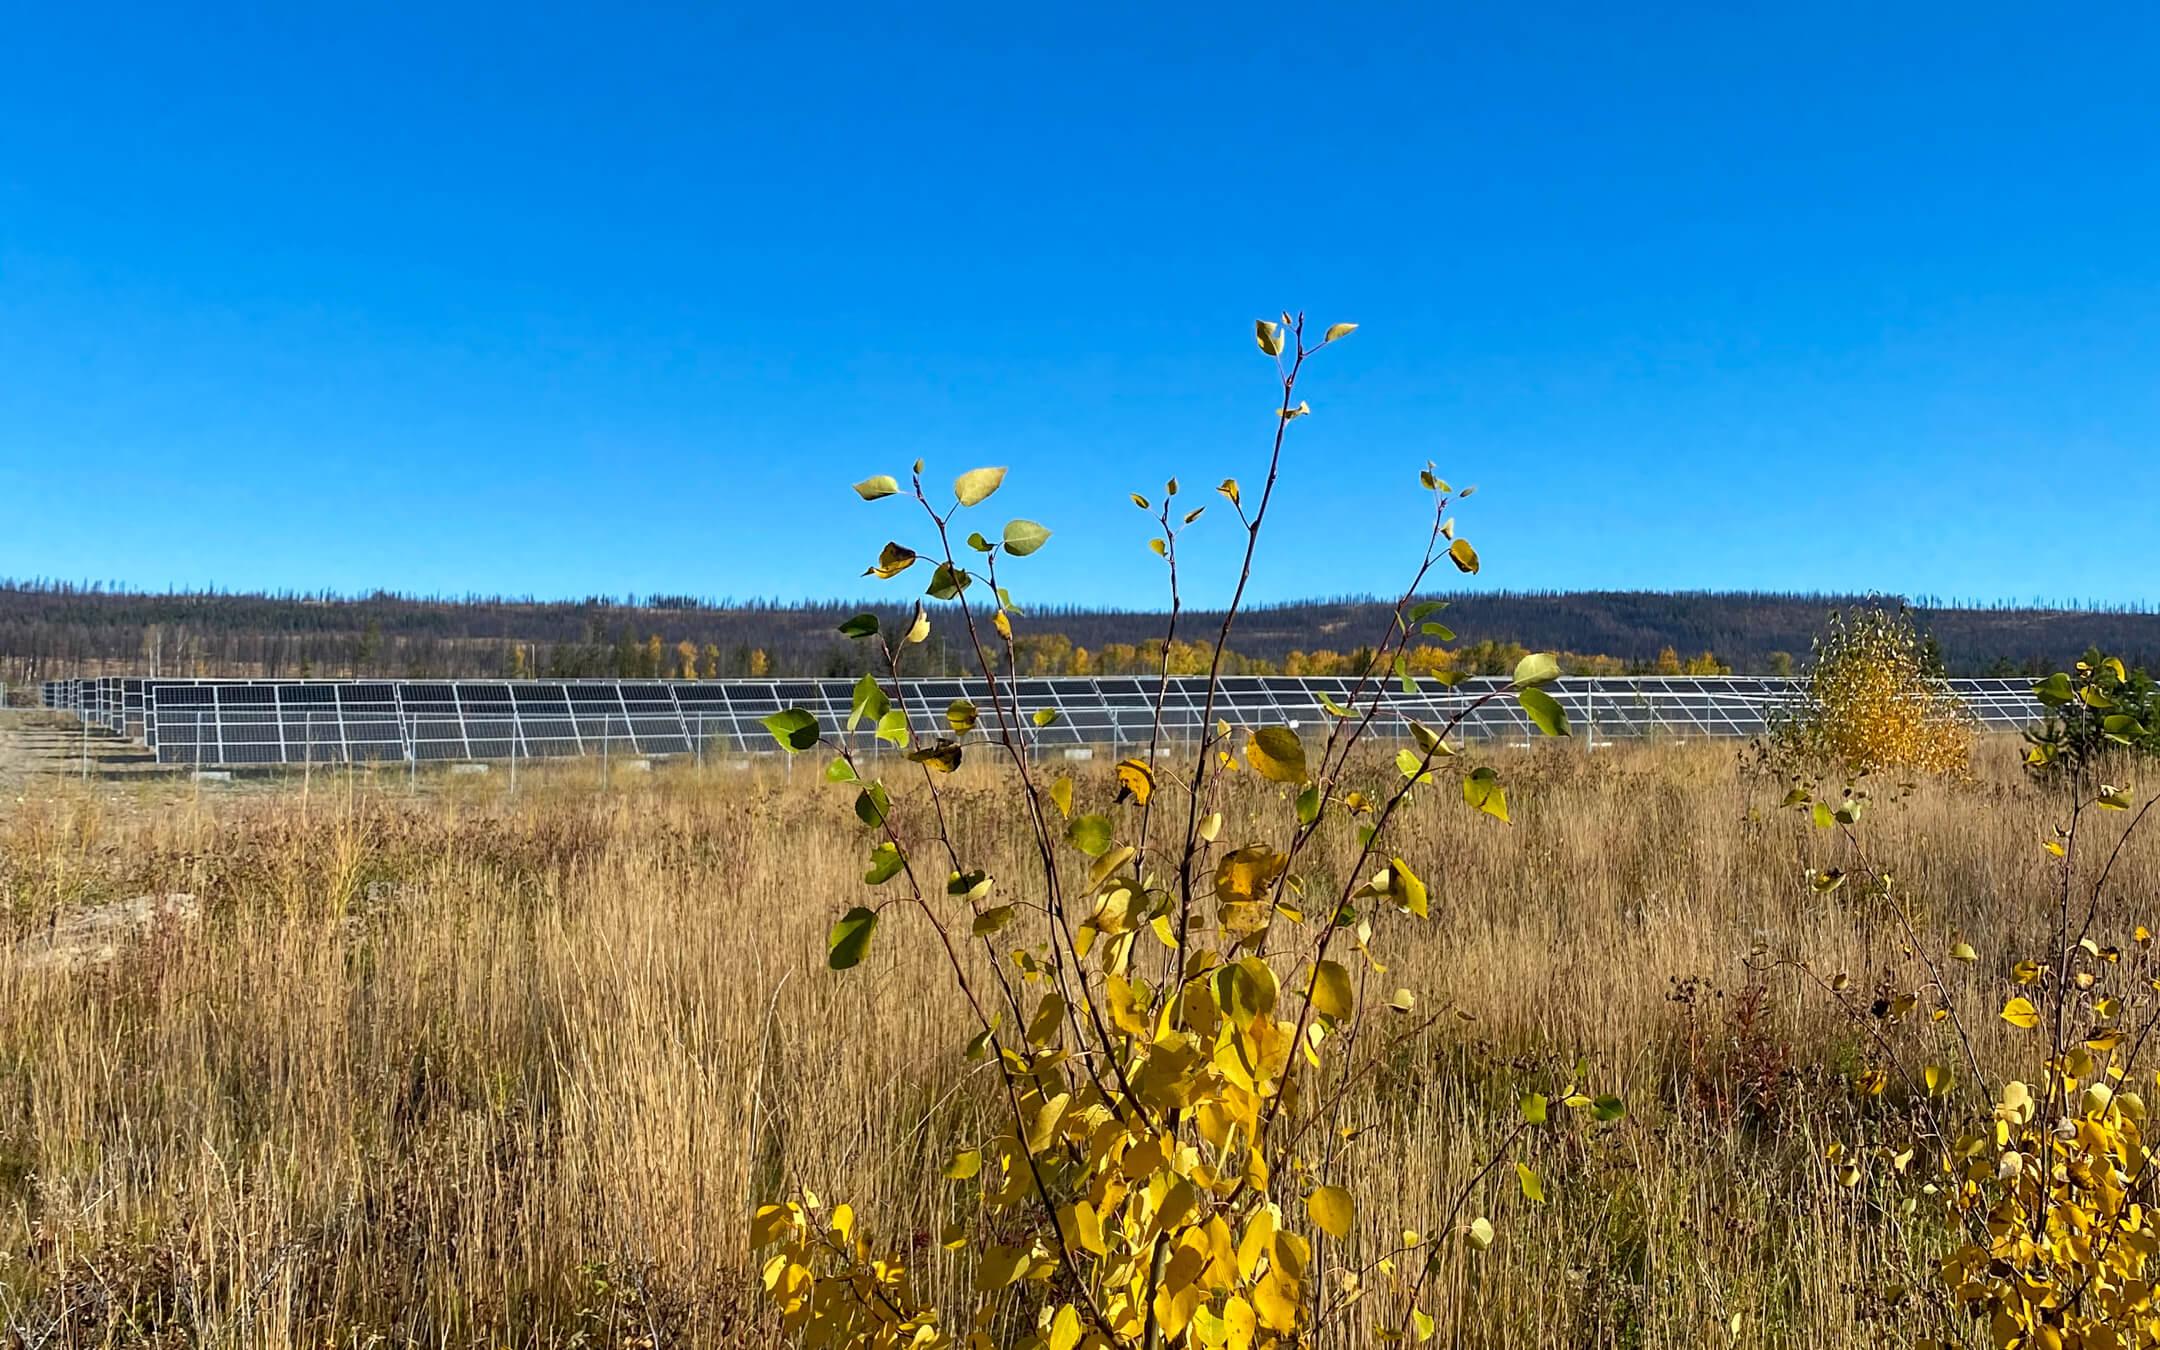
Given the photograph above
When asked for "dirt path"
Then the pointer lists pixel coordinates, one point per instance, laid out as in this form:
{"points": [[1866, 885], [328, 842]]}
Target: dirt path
{"points": [[38, 746]]}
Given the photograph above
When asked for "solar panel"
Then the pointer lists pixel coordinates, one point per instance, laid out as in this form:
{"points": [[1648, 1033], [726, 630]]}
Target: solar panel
{"points": [[239, 722]]}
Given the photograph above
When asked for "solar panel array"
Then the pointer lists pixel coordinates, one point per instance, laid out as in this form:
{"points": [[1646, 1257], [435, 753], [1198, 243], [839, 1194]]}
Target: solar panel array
{"points": [[242, 722]]}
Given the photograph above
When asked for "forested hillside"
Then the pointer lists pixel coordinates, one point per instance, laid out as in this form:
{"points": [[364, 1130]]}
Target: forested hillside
{"points": [[47, 631]]}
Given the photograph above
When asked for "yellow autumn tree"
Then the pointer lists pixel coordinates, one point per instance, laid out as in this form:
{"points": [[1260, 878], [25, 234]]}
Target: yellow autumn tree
{"points": [[1873, 702]]}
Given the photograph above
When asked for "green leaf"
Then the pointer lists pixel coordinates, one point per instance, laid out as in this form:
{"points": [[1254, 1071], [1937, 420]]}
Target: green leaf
{"points": [[2054, 690], [1023, 537], [1482, 790], [849, 940], [861, 626], [1534, 1108], [1092, 835], [1535, 669], [868, 704], [977, 484], [1043, 717], [1308, 804], [892, 728], [872, 805], [1608, 1107], [876, 486], [794, 728], [1544, 710], [886, 862], [947, 582], [839, 771]]}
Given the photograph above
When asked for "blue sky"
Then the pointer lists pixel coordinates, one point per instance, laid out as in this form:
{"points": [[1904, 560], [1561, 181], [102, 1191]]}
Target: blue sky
{"points": [[568, 301]]}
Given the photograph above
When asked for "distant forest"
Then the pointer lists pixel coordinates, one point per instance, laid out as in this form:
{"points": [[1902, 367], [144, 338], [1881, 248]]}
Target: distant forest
{"points": [[50, 630]]}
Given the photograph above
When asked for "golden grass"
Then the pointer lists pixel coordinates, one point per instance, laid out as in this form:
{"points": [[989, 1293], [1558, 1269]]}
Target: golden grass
{"points": [[468, 1068]]}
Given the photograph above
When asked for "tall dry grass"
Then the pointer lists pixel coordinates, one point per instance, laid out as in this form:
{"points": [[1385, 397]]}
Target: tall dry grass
{"points": [[472, 1068]]}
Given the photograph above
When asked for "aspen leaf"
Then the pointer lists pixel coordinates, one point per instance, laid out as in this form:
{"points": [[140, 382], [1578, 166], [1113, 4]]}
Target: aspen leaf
{"points": [[1090, 834], [1065, 1329], [1480, 1234], [2019, 1012], [1482, 790], [977, 484], [1544, 711], [1135, 780], [876, 486], [1532, 1189], [1536, 669], [1463, 556], [849, 940], [1333, 1209], [963, 1164], [1277, 754], [893, 559], [794, 728], [1268, 336], [1023, 537], [1337, 332], [1332, 992]]}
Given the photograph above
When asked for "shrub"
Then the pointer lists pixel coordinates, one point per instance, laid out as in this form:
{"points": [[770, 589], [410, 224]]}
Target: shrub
{"points": [[2108, 711], [2036, 1176], [1875, 700], [1173, 1002]]}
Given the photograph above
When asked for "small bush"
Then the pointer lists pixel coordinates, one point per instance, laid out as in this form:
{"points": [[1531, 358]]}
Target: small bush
{"points": [[1875, 700]]}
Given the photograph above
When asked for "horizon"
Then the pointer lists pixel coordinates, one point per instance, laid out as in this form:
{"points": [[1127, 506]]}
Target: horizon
{"points": [[658, 601], [1777, 302]]}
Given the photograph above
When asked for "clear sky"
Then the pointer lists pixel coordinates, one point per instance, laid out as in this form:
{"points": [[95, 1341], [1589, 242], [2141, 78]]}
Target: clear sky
{"points": [[562, 301]]}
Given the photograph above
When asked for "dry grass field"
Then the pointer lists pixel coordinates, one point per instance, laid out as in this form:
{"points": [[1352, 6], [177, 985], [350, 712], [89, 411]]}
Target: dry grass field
{"points": [[467, 1068]]}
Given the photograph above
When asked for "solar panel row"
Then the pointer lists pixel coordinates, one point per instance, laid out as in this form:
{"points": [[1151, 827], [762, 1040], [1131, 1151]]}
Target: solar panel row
{"points": [[239, 722]]}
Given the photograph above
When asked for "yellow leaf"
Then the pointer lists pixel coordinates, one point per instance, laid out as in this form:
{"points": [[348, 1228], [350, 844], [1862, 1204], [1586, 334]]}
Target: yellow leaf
{"points": [[1061, 796], [1480, 1234], [1333, 1209], [1135, 780], [1332, 994], [1065, 1328], [1963, 951], [1463, 556], [1336, 333], [1419, 1318], [920, 628], [1532, 1190], [1268, 336], [1239, 1325], [2019, 1012], [1277, 754], [1002, 624], [964, 1164]]}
